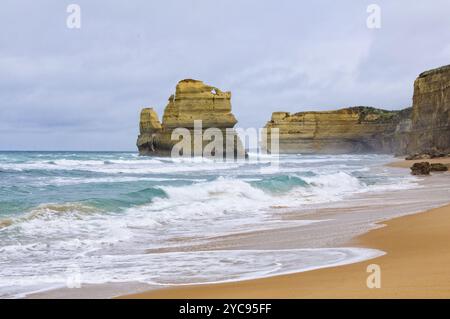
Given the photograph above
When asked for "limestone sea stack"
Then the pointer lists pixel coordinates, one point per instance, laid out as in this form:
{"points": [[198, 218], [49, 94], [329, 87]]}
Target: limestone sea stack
{"points": [[193, 100], [349, 130]]}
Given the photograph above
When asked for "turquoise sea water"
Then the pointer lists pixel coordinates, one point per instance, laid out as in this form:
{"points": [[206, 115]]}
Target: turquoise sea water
{"points": [[101, 212]]}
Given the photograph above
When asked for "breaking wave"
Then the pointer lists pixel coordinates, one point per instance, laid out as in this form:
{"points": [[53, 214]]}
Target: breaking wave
{"points": [[104, 211], [210, 199]]}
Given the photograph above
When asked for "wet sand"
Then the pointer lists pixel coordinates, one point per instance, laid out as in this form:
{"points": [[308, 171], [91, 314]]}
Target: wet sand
{"points": [[415, 266]]}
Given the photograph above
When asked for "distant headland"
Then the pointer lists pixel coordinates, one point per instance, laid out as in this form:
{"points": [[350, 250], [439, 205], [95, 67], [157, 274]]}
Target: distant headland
{"points": [[423, 128]]}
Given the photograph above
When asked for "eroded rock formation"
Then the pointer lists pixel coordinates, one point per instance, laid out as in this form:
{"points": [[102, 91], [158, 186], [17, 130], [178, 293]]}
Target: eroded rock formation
{"points": [[438, 167], [424, 128], [424, 168], [348, 130], [430, 121], [193, 100]]}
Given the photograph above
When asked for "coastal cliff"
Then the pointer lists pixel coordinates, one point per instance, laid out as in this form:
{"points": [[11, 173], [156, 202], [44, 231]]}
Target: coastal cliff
{"points": [[423, 128], [430, 120], [348, 130], [193, 101]]}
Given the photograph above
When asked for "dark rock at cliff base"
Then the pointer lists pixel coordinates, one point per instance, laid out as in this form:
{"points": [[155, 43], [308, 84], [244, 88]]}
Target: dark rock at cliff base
{"points": [[417, 157], [422, 168], [438, 167], [427, 154]]}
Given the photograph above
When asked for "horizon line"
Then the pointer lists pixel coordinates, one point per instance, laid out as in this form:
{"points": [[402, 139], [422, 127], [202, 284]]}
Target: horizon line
{"points": [[90, 151]]}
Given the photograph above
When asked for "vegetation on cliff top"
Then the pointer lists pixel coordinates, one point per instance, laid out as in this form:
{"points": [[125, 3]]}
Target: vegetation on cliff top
{"points": [[366, 114], [444, 68], [371, 114]]}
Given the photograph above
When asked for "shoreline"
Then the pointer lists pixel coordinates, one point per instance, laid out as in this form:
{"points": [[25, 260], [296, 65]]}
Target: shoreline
{"points": [[408, 163], [414, 265], [339, 224]]}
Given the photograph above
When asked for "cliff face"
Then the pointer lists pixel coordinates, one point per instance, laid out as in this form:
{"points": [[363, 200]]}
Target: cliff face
{"points": [[422, 128], [348, 130], [430, 128], [192, 101]]}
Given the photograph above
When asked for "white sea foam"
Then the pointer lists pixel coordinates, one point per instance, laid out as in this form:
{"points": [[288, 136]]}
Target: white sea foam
{"points": [[121, 166], [185, 267], [204, 209], [63, 181], [224, 205], [189, 203]]}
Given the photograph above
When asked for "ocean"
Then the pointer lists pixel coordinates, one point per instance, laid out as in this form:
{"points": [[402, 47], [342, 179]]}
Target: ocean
{"points": [[86, 218]]}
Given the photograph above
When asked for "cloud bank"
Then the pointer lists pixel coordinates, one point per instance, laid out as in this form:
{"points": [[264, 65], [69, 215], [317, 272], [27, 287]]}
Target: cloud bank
{"points": [[82, 89]]}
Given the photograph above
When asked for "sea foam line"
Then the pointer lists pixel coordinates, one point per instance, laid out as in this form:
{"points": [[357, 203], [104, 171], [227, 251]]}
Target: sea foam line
{"points": [[275, 266]]}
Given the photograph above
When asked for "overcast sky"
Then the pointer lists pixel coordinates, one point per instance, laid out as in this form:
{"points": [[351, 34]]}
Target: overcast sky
{"points": [[82, 89]]}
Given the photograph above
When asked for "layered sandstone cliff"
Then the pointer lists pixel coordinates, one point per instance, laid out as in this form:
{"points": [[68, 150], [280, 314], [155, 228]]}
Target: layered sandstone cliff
{"points": [[348, 130], [192, 102], [424, 127], [430, 120]]}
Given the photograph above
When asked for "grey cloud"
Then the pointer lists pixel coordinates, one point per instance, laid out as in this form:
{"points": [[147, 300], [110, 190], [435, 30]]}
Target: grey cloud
{"points": [[83, 89]]}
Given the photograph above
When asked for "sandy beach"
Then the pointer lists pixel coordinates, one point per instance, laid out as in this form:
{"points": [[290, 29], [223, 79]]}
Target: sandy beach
{"points": [[415, 266]]}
